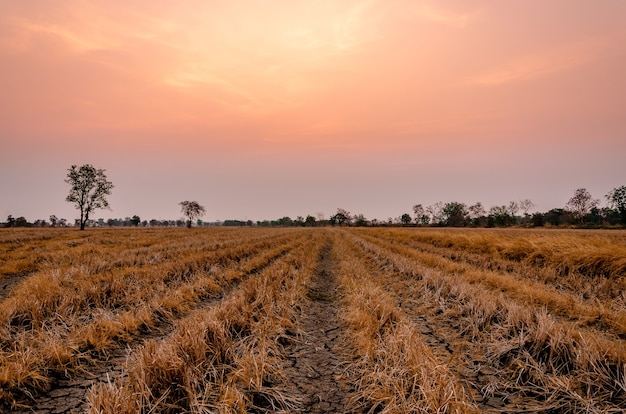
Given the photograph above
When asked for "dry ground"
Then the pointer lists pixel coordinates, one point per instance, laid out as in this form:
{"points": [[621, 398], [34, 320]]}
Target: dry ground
{"points": [[315, 320], [317, 360]]}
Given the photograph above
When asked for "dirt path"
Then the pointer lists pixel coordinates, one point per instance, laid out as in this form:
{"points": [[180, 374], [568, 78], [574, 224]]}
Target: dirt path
{"points": [[8, 282], [317, 361], [67, 396]]}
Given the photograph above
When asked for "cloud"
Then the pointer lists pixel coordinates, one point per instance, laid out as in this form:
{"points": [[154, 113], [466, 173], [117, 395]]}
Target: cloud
{"points": [[441, 16], [77, 40], [541, 64]]}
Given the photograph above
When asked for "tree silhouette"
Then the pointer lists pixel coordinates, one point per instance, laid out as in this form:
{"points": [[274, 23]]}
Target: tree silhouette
{"points": [[617, 199], [89, 188], [192, 210], [342, 217], [581, 203]]}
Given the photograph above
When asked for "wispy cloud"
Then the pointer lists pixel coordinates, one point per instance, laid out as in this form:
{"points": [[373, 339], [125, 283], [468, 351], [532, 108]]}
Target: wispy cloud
{"points": [[541, 64], [446, 17], [76, 39]]}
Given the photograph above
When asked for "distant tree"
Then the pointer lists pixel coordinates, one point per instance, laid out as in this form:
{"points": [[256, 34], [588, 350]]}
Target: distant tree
{"points": [[537, 220], [285, 221], [454, 214], [611, 216], [406, 219], [581, 204], [513, 208], [10, 221], [500, 216], [341, 217], [526, 205], [53, 220], [309, 221], [594, 217], [21, 222], [435, 212], [556, 217], [617, 200], [361, 221], [476, 214], [135, 220], [420, 214], [192, 210], [89, 189]]}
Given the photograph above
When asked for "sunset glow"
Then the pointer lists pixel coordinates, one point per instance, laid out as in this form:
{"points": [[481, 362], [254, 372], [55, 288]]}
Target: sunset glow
{"points": [[264, 109]]}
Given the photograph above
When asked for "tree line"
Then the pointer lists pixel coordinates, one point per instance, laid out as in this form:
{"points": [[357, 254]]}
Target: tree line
{"points": [[89, 188]]}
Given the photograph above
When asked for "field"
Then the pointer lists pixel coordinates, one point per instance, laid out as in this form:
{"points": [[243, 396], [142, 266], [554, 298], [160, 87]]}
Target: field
{"points": [[371, 320]]}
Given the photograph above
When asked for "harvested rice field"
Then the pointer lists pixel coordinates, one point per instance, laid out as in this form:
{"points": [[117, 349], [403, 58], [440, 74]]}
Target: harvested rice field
{"points": [[315, 320]]}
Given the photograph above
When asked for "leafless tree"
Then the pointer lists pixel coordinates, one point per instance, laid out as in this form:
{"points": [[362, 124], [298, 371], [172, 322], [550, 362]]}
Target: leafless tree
{"points": [[477, 210], [581, 203], [526, 205], [436, 212], [420, 214]]}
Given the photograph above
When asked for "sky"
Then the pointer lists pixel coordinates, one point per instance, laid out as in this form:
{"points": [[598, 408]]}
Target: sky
{"points": [[265, 109]]}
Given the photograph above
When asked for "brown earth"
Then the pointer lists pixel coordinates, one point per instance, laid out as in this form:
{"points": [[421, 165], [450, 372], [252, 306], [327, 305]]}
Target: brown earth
{"points": [[8, 282], [318, 359]]}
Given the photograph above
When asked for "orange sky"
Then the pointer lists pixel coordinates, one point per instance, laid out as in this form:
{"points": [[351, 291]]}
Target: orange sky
{"points": [[264, 109]]}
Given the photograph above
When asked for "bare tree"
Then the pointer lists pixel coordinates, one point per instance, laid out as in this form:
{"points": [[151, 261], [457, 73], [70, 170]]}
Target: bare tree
{"points": [[192, 210], [420, 214], [89, 189], [435, 212], [477, 210], [526, 205], [581, 203]]}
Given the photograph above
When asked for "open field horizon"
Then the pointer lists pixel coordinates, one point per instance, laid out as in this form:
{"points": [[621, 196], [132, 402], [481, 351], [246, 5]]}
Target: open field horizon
{"points": [[395, 164], [331, 319]]}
